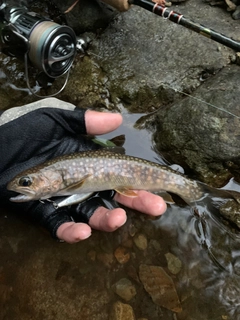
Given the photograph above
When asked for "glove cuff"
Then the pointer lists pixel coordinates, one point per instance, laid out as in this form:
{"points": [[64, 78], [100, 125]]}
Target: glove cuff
{"points": [[50, 218]]}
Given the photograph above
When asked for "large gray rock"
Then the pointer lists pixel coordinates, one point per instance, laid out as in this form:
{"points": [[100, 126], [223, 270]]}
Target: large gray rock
{"points": [[202, 132]]}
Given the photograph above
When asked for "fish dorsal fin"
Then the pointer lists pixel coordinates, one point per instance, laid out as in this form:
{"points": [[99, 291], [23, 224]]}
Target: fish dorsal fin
{"points": [[126, 191], [77, 185]]}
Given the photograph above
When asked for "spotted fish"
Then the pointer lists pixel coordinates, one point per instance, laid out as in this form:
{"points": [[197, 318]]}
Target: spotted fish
{"points": [[91, 171]]}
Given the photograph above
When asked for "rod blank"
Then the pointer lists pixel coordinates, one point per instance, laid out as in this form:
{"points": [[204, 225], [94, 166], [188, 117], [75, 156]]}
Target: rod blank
{"points": [[180, 19]]}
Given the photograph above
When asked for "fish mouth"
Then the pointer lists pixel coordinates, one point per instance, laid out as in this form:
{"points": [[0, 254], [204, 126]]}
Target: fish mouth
{"points": [[21, 198], [23, 195]]}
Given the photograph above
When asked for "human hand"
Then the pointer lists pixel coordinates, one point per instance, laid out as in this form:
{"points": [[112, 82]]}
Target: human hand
{"points": [[160, 2], [75, 224]]}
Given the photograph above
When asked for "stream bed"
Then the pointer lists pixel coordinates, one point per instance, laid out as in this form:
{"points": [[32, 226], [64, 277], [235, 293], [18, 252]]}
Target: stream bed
{"points": [[107, 276]]}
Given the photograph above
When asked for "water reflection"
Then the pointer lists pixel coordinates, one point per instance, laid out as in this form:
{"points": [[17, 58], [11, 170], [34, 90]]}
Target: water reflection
{"points": [[44, 279]]}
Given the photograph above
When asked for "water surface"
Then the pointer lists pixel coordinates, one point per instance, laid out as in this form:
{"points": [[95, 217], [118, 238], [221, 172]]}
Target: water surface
{"points": [[41, 278]]}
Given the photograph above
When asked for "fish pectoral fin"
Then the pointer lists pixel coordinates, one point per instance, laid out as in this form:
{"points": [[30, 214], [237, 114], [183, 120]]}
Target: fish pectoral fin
{"points": [[77, 185], [166, 197], [126, 192]]}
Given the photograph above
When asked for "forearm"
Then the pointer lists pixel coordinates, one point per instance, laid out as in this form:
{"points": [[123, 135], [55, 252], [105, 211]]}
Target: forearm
{"points": [[120, 5]]}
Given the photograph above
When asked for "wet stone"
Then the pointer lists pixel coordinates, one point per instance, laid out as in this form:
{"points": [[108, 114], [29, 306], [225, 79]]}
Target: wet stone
{"points": [[132, 273], [106, 258], [122, 255], [128, 243], [174, 264], [132, 230], [121, 311], [154, 244], [140, 241], [160, 286], [124, 289]]}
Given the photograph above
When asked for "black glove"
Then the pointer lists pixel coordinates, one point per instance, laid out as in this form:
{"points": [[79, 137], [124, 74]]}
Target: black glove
{"points": [[33, 134]]}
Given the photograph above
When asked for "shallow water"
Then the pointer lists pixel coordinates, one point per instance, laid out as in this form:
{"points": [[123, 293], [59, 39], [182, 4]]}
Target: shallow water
{"points": [[44, 279]]}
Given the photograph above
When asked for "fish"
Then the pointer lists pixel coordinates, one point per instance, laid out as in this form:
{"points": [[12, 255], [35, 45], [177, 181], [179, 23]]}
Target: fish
{"points": [[99, 170]]}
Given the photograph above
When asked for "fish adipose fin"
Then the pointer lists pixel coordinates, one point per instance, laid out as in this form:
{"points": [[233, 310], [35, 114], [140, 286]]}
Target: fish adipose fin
{"points": [[126, 192], [75, 186]]}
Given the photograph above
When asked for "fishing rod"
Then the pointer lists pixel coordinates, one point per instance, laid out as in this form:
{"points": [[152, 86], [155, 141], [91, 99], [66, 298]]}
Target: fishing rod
{"points": [[180, 19], [124, 5]]}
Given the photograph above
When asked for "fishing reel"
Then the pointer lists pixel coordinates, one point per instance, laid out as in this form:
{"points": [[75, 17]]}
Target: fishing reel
{"points": [[42, 43]]}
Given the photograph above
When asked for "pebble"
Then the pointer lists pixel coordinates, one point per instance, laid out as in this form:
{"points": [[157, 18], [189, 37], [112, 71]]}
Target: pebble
{"points": [[140, 241], [160, 287], [174, 264], [124, 289], [121, 311], [106, 258], [122, 255]]}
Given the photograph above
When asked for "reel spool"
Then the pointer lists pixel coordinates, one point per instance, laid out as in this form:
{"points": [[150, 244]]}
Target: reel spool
{"points": [[46, 45]]}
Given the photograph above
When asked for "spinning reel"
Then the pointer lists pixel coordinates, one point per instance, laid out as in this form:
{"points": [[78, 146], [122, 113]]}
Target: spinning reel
{"points": [[42, 43]]}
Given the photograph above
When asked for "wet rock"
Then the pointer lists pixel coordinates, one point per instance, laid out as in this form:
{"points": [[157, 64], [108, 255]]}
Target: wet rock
{"points": [[174, 264], [106, 258], [125, 61], [125, 289], [128, 243], [230, 210], [202, 133], [132, 229], [126, 64], [122, 255], [140, 241], [155, 245], [160, 287], [85, 15], [132, 273], [236, 13], [121, 311]]}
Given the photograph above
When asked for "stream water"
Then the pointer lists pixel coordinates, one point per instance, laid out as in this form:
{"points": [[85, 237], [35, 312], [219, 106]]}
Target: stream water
{"points": [[44, 279]]}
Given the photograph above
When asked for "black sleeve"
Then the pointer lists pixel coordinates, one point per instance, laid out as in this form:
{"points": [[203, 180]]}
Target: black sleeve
{"points": [[37, 136], [37, 133], [30, 138]]}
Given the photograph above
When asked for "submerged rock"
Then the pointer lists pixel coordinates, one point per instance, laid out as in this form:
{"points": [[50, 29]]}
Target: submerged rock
{"points": [[125, 289], [160, 287], [140, 241], [81, 15], [174, 264], [121, 311], [122, 255]]}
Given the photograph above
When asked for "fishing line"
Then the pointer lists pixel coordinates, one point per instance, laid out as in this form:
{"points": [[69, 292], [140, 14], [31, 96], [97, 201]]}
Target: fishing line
{"points": [[179, 19], [202, 101]]}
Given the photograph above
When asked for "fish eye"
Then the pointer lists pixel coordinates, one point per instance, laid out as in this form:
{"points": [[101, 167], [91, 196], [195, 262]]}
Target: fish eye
{"points": [[25, 181]]}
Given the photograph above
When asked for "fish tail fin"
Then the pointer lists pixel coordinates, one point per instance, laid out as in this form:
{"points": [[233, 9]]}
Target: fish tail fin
{"points": [[218, 193]]}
